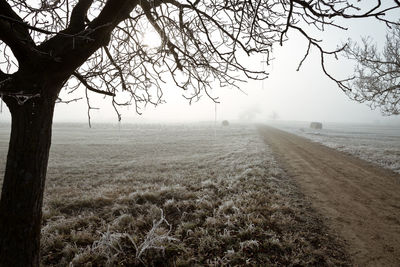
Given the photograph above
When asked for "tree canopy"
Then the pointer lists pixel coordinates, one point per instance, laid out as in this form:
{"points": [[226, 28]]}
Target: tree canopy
{"points": [[101, 42], [377, 74]]}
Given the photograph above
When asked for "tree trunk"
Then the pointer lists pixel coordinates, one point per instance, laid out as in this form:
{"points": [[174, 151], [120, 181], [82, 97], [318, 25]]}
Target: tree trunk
{"points": [[24, 180]]}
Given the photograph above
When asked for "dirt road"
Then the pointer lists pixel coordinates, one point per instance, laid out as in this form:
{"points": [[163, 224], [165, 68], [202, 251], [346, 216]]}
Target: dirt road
{"points": [[360, 201]]}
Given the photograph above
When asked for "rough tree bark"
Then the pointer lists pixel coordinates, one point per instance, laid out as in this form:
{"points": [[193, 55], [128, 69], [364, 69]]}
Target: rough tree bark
{"points": [[24, 180]]}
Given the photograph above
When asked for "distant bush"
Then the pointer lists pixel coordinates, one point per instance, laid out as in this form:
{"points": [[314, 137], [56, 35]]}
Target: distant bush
{"points": [[316, 125], [225, 123]]}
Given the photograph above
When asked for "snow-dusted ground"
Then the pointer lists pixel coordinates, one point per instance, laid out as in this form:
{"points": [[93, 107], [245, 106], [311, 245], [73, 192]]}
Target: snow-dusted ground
{"points": [[379, 144]]}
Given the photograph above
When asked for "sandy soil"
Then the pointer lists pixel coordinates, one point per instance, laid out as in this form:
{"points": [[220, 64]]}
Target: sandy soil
{"points": [[360, 201]]}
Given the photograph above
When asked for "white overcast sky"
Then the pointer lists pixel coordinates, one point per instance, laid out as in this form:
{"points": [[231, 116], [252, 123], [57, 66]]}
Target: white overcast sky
{"points": [[307, 95]]}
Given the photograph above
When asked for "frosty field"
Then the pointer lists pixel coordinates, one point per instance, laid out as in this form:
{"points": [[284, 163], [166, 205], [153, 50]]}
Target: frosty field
{"points": [[178, 195], [378, 144]]}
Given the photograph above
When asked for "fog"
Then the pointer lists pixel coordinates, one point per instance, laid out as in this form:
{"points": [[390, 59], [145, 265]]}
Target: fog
{"points": [[306, 95]]}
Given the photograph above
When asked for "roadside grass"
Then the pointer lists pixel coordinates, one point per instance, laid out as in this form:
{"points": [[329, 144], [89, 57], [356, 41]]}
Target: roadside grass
{"points": [[379, 144], [177, 196]]}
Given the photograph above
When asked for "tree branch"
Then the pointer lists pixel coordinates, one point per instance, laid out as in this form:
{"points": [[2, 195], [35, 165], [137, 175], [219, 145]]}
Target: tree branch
{"points": [[4, 81], [114, 11], [121, 75], [171, 47], [15, 35], [78, 15], [73, 52], [340, 83], [332, 12], [91, 88], [2, 75], [287, 22]]}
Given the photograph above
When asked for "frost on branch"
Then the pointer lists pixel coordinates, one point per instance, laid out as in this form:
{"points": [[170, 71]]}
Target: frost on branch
{"points": [[377, 74]]}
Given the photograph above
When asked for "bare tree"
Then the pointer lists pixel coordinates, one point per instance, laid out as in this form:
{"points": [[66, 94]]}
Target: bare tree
{"points": [[377, 74], [97, 46]]}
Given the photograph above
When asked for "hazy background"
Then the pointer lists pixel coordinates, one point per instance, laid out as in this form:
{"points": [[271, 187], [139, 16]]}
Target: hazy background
{"points": [[307, 95]]}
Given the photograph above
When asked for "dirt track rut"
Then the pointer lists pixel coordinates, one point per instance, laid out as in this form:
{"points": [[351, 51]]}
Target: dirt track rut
{"points": [[360, 201]]}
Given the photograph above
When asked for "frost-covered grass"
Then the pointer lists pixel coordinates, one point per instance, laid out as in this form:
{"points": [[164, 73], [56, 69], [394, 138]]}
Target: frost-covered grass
{"points": [[378, 144], [176, 196]]}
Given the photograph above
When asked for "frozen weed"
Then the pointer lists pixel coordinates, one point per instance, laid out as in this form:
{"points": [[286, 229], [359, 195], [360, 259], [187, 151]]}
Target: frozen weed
{"points": [[228, 207], [249, 244], [155, 238], [109, 245]]}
